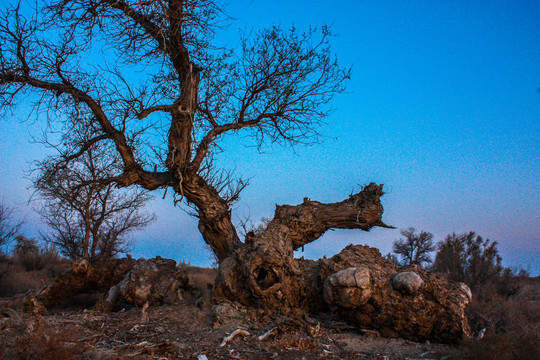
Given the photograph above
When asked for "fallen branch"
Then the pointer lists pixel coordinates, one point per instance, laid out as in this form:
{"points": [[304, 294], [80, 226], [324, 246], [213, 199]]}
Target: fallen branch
{"points": [[269, 334], [237, 332]]}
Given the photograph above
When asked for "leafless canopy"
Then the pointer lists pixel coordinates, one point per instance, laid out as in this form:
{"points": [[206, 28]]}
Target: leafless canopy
{"points": [[88, 218], [414, 249], [147, 78]]}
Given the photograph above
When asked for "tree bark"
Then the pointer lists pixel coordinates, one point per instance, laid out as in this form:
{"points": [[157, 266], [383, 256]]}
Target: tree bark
{"points": [[215, 222], [358, 284], [264, 270]]}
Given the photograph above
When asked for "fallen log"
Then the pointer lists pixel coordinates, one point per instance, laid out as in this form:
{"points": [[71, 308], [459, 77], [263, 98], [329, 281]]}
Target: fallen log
{"points": [[357, 283]]}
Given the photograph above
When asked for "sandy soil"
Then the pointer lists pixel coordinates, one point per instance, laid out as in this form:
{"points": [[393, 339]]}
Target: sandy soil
{"points": [[187, 331]]}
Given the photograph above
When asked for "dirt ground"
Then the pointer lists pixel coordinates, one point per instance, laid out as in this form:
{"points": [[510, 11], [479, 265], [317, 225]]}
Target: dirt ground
{"points": [[188, 331]]}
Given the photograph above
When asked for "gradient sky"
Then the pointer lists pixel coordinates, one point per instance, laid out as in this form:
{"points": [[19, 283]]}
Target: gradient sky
{"points": [[443, 108]]}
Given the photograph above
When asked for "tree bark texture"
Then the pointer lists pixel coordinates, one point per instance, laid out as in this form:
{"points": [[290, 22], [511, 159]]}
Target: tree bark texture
{"points": [[264, 269], [215, 222], [265, 273], [156, 281]]}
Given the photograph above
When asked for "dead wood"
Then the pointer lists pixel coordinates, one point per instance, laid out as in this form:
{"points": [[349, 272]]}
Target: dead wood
{"points": [[136, 282], [264, 271], [310, 220], [360, 285], [235, 333]]}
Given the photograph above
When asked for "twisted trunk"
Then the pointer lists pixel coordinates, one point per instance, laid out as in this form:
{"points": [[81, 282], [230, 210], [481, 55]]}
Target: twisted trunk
{"points": [[264, 270], [215, 223], [364, 288]]}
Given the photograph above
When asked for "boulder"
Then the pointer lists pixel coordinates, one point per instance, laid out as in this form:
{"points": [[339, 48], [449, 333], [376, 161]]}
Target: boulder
{"points": [[156, 281]]}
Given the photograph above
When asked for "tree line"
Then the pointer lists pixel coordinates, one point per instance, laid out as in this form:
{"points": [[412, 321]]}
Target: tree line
{"points": [[466, 257], [94, 222]]}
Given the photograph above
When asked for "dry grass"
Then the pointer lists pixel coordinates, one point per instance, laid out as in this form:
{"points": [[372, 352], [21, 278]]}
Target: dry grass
{"points": [[201, 277], [50, 345], [512, 323], [17, 276]]}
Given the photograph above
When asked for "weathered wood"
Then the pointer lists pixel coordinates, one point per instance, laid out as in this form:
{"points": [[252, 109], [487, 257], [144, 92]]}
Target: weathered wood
{"points": [[264, 270], [357, 283], [311, 219]]}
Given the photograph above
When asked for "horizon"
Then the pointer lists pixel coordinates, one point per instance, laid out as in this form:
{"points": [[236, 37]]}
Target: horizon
{"points": [[443, 108]]}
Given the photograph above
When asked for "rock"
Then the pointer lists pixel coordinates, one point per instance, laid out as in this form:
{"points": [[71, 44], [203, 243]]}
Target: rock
{"points": [[156, 281], [463, 296], [348, 288], [407, 282]]}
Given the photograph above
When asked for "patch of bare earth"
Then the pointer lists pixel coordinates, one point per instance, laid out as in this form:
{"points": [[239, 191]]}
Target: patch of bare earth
{"points": [[187, 331]]}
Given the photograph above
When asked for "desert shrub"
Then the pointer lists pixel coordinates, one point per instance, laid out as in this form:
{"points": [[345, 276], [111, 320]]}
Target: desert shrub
{"points": [[502, 347], [30, 267], [511, 320], [201, 277], [5, 264], [33, 257], [512, 324], [19, 281], [201, 283], [468, 258]]}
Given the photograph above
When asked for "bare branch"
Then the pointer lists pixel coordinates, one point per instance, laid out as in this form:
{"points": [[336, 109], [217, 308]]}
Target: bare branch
{"points": [[143, 114], [306, 222], [161, 96], [88, 217], [9, 228]]}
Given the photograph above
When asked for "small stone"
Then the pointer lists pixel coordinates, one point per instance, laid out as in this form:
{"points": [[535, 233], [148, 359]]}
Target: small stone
{"points": [[407, 282]]}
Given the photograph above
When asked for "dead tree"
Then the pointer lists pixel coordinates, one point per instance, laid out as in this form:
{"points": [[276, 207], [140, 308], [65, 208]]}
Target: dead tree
{"points": [[414, 249], [86, 218], [165, 94], [276, 88]]}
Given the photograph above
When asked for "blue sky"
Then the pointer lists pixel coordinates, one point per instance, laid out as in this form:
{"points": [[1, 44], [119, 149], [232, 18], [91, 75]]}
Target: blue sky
{"points": [[443, 108]]}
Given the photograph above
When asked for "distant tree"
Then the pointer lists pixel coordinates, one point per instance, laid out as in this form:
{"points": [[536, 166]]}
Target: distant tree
{"points": [[468, 258], [8, 226], [88, 218], [393, 258], [413, 249]]}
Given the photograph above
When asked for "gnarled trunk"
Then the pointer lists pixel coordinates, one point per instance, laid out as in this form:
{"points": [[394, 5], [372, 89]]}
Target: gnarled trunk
{"points": [[362, 286], [264, 270], [215, 223]]}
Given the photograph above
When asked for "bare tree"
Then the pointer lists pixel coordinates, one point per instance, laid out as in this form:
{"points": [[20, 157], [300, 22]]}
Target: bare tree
{"points": [[9, 227], [414, 248], [163, 95], [87, 218], [164, 123]]}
